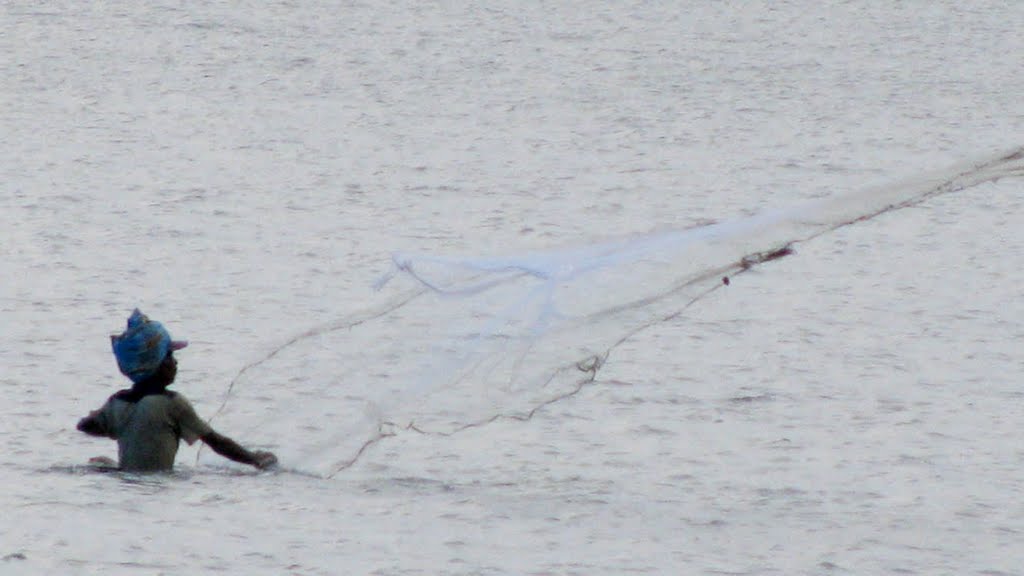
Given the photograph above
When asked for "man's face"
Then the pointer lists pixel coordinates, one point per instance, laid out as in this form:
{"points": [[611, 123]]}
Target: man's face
{"points": [[169, 367]]}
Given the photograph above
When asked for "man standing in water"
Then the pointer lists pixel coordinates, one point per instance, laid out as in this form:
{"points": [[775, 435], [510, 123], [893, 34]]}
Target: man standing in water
{"points": [[148, 420]]}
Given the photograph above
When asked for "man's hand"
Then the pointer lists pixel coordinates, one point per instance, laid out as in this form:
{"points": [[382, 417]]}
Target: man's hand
{"points": [[265, 460]]}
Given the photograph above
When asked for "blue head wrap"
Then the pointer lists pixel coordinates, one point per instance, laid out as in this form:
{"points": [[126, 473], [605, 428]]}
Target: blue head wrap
{"points": [[142, 347]]}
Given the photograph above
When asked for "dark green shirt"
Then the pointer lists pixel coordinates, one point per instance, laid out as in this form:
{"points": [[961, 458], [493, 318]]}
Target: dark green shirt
{"points": [[148, 431]]}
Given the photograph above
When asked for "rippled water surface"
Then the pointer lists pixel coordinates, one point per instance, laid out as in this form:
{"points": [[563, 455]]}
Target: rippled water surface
{"points": [[244, 172]]}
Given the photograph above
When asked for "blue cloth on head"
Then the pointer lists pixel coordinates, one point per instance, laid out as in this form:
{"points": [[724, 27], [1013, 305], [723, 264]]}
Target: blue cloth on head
{"points": [[142, 347]]}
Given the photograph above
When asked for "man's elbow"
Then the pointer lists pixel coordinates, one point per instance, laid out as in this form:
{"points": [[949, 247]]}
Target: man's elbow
{"points": [[89, 426], [211, 438]]}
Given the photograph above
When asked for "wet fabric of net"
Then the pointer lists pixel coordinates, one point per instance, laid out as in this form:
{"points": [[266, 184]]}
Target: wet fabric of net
{"points": [[454, 343]]}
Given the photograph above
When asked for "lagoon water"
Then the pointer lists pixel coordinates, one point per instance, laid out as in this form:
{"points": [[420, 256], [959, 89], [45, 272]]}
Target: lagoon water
{"points": [[243, 173]]}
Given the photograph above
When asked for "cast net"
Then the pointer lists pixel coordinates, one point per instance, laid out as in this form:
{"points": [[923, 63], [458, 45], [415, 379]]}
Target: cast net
{"points": [[458, 342]]}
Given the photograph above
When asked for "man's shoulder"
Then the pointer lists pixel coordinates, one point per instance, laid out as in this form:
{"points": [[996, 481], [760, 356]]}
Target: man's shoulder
{"points": [[177, 399], [133, 396], [176, 396], [122, 395], [166, 396], [163, 403]]}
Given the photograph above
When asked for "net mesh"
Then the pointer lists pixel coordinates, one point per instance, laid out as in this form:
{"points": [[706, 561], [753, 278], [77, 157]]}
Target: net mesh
{"points": [[457, 342]]}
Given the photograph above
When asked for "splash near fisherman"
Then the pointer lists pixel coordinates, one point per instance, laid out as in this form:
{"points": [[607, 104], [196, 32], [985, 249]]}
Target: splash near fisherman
{"points": [[147, 420]]}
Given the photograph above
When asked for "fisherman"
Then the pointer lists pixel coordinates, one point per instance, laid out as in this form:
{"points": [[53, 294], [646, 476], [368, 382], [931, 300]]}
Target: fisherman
{"points": [[148, 420]]}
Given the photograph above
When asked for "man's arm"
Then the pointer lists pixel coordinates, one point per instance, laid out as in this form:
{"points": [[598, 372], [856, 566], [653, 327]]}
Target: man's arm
{"points": [[231, 450]]}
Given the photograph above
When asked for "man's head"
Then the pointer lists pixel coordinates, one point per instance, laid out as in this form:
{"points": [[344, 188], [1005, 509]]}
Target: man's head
{"points": [[145, 349]]}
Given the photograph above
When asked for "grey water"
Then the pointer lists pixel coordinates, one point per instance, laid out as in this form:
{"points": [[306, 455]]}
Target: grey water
{"points": [[243, 172]]}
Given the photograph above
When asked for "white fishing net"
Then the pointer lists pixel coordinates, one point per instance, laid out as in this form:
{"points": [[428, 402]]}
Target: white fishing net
{"points": [[457, 342]]}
